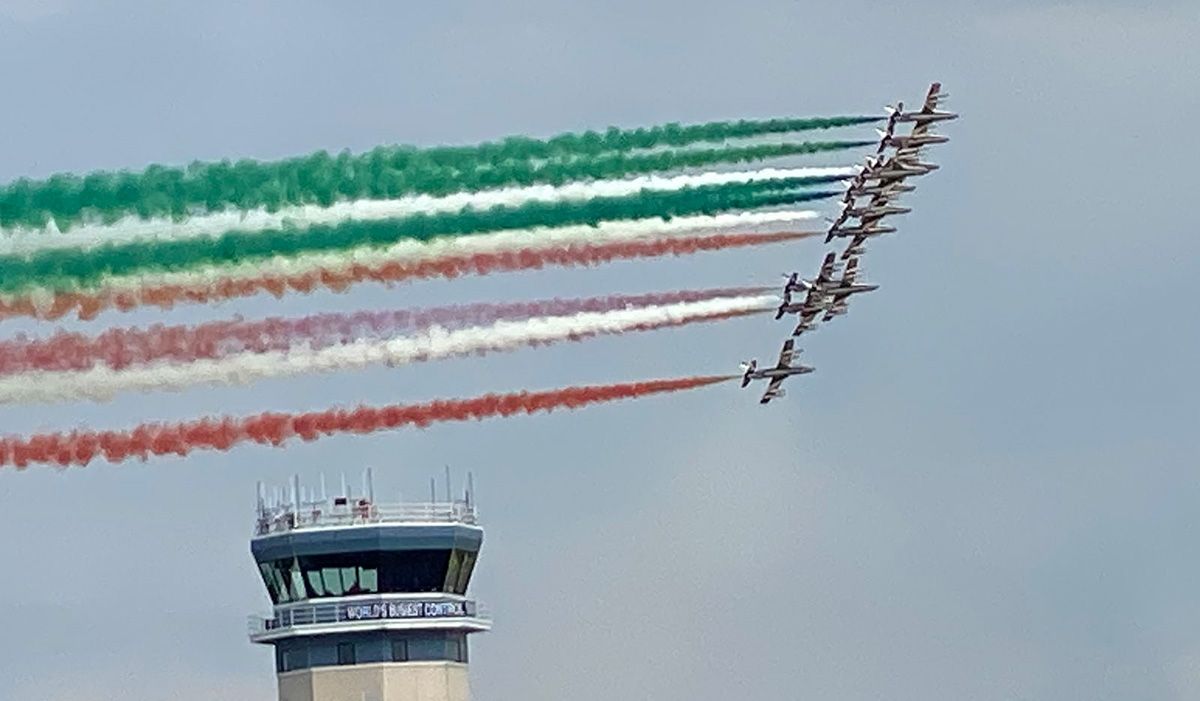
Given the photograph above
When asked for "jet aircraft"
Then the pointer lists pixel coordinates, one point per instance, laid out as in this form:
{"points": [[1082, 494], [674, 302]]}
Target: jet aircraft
{"points": [[929, 111], [815, 288], [868, 217], [863, 230], [777, 374], [910, 143], [898, 169], [840, 292]]}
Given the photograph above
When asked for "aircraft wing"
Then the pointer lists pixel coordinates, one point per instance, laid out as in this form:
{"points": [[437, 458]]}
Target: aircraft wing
{"points": [[814, 301], [851, 272], [869, 219], [806, 318], [825, 275], [921, 128], [837, 298], [855, 243], [772, 390], [932, 97], [837, 307], [786, 354]]}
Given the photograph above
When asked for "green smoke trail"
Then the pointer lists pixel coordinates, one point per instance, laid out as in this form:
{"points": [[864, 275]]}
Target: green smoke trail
{"points": [[322, 179], [66, 269], [673, 135]]}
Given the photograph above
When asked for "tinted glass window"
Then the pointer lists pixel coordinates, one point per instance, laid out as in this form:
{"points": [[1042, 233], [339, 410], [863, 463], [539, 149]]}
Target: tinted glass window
{"points": [[350, 574], [290, 660], [464, 573], [345, 653], [399, 651]]}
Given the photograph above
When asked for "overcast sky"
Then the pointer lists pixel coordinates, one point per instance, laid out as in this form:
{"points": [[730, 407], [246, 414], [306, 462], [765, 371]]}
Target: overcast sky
{"points": [[988, 490]]}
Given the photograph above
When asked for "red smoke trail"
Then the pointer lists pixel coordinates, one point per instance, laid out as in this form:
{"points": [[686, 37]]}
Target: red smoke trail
{"points": [[122, 348], [89, 304], [80, 447]]}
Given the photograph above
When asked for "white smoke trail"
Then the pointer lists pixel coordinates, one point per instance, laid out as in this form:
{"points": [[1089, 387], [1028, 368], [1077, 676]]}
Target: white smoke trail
{"points": [[101, 383], [506, 240], [134, 228]]}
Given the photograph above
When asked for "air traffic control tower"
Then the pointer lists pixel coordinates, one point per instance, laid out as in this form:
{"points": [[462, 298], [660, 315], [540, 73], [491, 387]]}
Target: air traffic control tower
{"points": [[369, 599]]}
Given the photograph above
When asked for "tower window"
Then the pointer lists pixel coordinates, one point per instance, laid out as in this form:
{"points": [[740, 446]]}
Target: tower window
{"points": [[345, 652], [291, 660], [399, 651]]}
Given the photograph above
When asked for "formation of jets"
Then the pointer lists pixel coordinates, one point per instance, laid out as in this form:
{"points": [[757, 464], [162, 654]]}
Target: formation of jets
{"points": [[870, 197]]}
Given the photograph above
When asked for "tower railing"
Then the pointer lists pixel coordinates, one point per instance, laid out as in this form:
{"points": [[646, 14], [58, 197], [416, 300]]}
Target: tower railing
{"points": [[369, 612], [338, 512]]}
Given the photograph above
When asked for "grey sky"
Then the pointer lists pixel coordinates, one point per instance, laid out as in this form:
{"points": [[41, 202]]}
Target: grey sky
{"points": [[987, 490]]}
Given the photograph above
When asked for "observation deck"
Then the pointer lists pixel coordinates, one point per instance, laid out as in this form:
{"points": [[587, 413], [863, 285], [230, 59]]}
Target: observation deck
{"points": [[374, 613], [339, 512]]}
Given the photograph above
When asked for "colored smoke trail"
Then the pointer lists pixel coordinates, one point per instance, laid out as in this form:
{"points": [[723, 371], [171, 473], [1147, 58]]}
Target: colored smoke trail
{"points": [[101, 383], [121, 348], [66, 200], [504, 240], [133, 229], [65, 269], [87, 305], [80, 447]]}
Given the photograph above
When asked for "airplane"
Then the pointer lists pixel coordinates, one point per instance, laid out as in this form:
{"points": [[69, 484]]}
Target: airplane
{"points": [[815, 288], [881, 190], [880, 193], [896, 171], [777, 374], [875, 211], [929, 111], [899, 168], [910, 143], [843, 289], [868, 217], [859, 239], [863, 230]]}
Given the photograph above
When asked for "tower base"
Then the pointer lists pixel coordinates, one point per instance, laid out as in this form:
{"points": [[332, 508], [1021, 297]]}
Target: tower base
{"points": [[408, 681]]}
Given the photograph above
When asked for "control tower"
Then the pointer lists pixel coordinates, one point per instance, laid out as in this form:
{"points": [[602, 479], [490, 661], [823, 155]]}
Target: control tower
{"points": [[369, 599]]}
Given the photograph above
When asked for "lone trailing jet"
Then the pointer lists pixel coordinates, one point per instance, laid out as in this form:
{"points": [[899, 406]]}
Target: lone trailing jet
{"points": [[814, 299], [841, 291], [777, 374]]}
